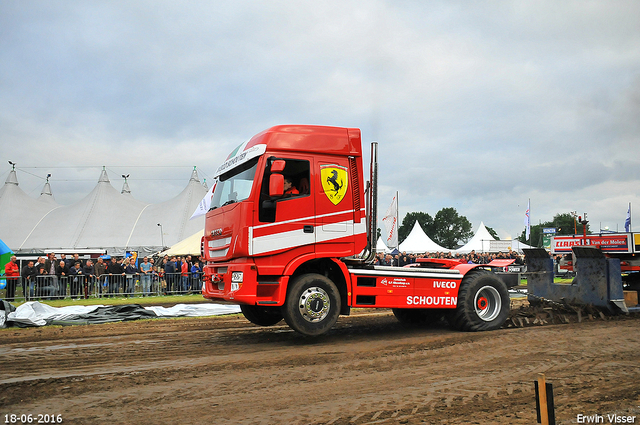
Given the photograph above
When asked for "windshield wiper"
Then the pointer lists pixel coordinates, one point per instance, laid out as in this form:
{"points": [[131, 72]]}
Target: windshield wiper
{"points": [[230, 201]]}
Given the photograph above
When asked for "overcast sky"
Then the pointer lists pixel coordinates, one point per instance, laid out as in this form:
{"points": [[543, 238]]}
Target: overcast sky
{"points": [[478, 106]]}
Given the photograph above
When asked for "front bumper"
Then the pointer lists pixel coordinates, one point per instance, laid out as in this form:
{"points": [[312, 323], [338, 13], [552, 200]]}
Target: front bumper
{"points": [[240, 283]]}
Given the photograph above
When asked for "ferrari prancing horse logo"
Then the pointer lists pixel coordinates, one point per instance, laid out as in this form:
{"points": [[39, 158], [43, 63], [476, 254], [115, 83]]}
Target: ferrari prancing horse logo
{"points": [[334, 182]]}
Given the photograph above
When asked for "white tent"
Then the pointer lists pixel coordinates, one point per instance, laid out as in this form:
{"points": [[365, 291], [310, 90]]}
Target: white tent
{"points": [[188, 246], [173, 215], [419, 242], [104, 220], [20, 212], [381, 247], [480, 242]]}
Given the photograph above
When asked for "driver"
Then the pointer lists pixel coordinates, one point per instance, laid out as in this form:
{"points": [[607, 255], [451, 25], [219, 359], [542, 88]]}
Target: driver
{"points": [[289, 188]]}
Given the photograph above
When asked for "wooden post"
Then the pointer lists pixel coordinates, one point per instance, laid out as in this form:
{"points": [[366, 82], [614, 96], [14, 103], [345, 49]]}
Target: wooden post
{"points": [[542, 389]]}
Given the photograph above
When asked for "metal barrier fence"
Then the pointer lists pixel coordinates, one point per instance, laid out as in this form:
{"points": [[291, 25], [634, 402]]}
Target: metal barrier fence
{"points": [[107, 285]]}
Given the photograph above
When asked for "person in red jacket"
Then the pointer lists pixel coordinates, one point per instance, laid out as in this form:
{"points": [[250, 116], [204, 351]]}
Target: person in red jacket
{"points": [[184, 272], [12, 273], [289, 188]]}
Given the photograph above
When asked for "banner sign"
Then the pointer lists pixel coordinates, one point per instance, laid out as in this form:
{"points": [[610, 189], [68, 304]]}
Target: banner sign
{"points": [[619, 243], [500, 246]]}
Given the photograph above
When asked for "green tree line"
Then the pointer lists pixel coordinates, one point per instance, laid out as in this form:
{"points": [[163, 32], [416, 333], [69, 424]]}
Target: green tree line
{"points": [[563, 223], [447, 228]]}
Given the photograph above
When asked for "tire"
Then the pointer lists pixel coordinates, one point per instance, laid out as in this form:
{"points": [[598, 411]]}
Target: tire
{"points": [[483, 303], [261, 316], [312, 305], [418, 316]]}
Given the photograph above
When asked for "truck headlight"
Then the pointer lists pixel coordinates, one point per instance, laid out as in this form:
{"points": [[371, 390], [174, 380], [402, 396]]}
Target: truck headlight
{"points": [[237, 277]]}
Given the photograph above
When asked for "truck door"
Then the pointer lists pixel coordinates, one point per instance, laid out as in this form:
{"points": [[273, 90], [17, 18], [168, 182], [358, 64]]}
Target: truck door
{"points": [[285, 222], [334, 206]]}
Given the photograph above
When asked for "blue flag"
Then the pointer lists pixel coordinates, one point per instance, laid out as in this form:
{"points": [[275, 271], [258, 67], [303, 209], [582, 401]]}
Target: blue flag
{"points": [[627, 222]]}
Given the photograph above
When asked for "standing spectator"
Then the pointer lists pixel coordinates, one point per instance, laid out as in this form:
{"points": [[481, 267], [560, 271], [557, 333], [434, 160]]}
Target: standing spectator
{"points": [[62, 272], [77, 280], [115, 272], [29, 274], [184, 274], [132, 272], [154, 276], [196, 272], [162, 279], [40, 279], [67, 261], [76, 258], [170, 274], [39, 263], [100, 269], [12, 273], [89, 271], [50, 265], [146, 269]]}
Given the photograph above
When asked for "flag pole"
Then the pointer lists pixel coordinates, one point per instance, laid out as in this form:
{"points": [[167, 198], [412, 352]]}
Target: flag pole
{"points": [[397, 220]]}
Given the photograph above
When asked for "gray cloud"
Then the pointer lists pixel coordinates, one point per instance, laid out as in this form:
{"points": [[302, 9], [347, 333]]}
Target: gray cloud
{"points": [[479, 106]]}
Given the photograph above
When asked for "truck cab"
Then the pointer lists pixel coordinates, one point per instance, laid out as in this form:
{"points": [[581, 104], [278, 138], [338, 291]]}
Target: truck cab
{"points": [[257, 235]]}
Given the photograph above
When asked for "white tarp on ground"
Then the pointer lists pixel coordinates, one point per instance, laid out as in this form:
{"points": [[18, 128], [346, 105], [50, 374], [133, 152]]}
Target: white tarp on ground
{"points": [[418, 242], [33, 313]]}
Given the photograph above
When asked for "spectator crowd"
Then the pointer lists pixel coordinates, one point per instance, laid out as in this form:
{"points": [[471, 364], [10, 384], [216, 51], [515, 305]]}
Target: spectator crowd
{"points": [[403, 259], [76, 277]]}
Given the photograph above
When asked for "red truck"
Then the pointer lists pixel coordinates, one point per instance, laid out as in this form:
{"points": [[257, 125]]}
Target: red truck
{"points": [[288, 237]]}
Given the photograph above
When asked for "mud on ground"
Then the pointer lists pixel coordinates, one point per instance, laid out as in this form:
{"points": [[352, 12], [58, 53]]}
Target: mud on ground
{"points": [[368, 369]]}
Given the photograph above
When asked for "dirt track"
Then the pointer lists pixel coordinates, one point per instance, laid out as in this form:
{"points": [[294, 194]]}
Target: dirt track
{"points": [[369, 369]]}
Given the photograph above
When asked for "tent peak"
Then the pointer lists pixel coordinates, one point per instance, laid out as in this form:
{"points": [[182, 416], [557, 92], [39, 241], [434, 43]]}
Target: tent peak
{"points": [[12, 178], [194, 175], [104, 178], [46, 189], [125, 188]]}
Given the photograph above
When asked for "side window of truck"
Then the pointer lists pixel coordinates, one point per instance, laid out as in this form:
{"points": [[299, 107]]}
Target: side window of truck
{"points": [[296, 184]]}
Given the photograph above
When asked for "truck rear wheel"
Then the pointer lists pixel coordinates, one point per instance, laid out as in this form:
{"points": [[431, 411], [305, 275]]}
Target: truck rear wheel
{"points": [[483, 303], [261, 316], [312, 305], [417, 316]]}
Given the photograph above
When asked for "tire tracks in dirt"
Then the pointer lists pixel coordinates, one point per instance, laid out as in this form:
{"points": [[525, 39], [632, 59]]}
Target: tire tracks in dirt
{"points": [[369, 369]]}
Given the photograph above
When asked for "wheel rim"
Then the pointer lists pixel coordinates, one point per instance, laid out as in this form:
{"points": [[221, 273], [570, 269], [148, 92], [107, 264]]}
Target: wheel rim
{"points": [[488, 303], [314, 304]]}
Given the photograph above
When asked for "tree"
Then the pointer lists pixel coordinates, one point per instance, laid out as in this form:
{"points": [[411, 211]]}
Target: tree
{"points": [[425, 220], [447, 229], [450, 228], [563, 224], [492, 232]]}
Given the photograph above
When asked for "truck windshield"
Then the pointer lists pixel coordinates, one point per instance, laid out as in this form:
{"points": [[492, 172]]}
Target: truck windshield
{"points": [[235, 185]]}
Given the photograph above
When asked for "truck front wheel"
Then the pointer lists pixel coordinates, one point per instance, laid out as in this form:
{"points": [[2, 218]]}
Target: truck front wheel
{"points": [[312, 305], [483, 303], [261, 316]]}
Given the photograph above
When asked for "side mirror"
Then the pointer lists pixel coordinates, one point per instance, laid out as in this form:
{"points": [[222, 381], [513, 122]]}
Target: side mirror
{"points": [[277, 166], [276, 184]]}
